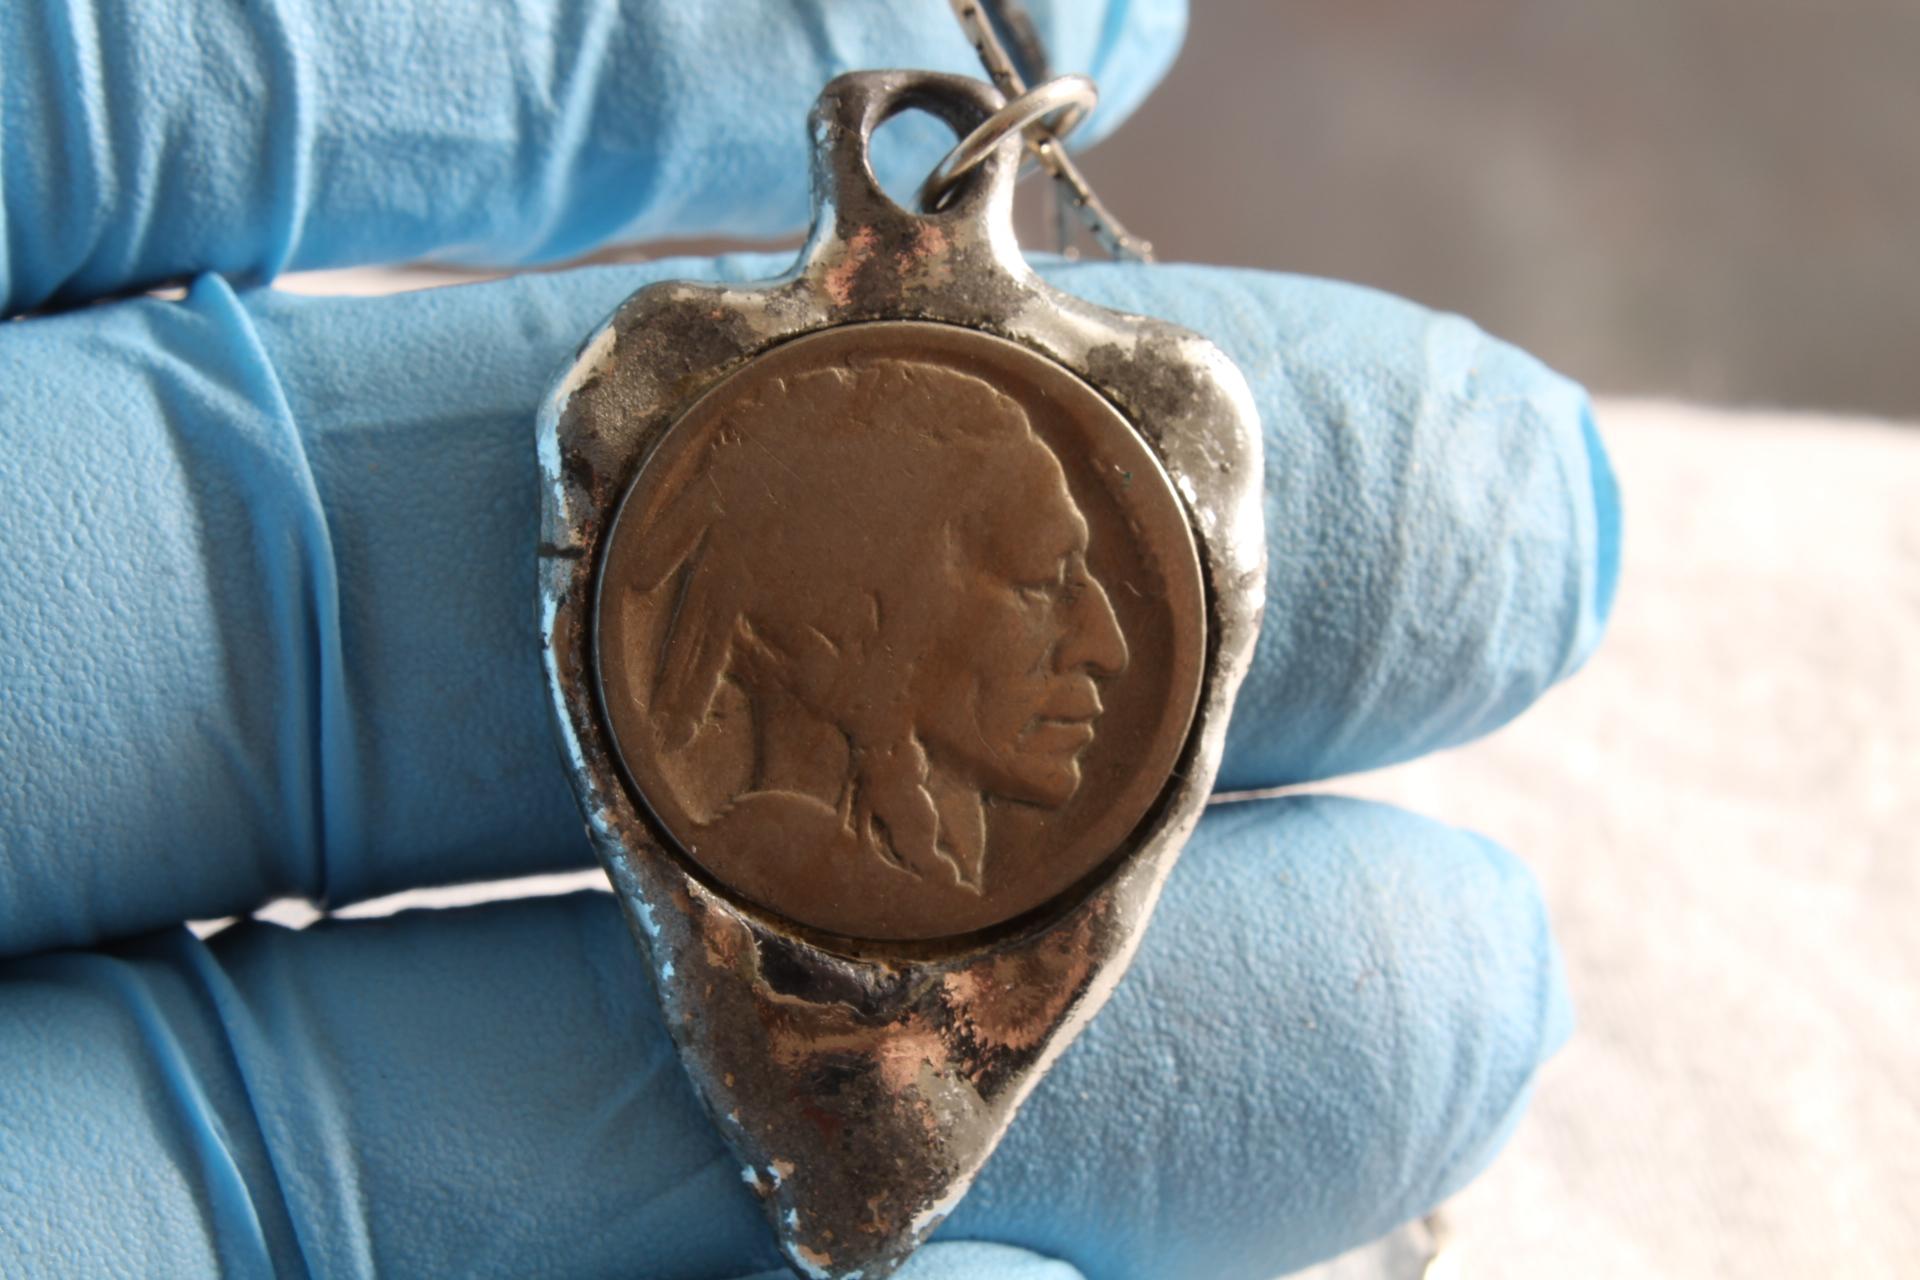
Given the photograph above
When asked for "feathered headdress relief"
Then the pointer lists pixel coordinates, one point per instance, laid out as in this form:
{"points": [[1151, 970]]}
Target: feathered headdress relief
{"points": [[838, 609]]}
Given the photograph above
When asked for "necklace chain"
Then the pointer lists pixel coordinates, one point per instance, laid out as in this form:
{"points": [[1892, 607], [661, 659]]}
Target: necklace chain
{"points": [[1010, 49]]}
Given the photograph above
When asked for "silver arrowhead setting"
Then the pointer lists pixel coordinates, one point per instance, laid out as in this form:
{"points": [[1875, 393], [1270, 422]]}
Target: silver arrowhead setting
{"points": [[864, 1080]]}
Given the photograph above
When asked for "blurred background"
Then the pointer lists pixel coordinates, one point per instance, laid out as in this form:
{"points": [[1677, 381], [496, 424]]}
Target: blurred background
{"points": [[1713, 199]]}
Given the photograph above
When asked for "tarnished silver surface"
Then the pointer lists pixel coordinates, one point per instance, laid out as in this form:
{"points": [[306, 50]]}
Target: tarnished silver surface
{"points": [[864, 1080]]}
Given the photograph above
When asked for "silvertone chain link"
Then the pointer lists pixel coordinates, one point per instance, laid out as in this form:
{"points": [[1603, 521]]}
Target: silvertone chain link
{"points": [[986, 22]]}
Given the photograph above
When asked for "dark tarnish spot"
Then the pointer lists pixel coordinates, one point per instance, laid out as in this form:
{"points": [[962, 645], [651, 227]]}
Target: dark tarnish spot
{"points": [[579, 471], [683, 342], [1154, 382], [1003, 1010], [824, 1120], [656, 369], [818, 980]]}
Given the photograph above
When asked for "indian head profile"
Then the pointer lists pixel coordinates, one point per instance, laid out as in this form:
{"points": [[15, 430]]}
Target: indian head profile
{"points": [[879, 565]]}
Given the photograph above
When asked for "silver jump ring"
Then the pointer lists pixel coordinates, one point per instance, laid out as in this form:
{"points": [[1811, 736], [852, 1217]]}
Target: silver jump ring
{"points": [[1057, 107]]}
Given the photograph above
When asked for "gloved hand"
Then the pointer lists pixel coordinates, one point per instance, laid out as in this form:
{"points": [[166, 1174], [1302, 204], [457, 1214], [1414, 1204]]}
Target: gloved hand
{"points": [[266, 602]]}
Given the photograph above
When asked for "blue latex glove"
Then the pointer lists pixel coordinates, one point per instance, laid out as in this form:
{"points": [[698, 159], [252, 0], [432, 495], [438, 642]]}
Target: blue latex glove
{"points": [[266, 600]]}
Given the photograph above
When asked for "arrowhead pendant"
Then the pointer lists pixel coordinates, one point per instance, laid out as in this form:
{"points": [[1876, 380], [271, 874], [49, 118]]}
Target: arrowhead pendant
{"points": [[893, 611]]}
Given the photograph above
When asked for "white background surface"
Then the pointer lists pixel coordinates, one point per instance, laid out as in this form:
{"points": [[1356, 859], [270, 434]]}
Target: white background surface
{"points": [[1724, 810]]}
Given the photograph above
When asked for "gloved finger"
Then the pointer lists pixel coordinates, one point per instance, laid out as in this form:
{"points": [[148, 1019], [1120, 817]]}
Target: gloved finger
{"points": [[174, 138], [270, 578], [1443, 525], [1332, 1023]]}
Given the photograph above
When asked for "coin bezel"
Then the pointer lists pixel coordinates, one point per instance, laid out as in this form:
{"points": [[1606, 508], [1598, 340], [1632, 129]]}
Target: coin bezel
{"points": [[1043, 861]]}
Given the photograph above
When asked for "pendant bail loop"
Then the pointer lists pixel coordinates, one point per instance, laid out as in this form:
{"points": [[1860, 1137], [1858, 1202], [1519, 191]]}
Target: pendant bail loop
{"points": [[1045, 113], [855, 105]]}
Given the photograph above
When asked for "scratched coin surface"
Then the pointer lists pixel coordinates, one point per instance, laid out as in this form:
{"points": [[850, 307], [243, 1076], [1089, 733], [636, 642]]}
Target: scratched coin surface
{"points": [[900, 631]]}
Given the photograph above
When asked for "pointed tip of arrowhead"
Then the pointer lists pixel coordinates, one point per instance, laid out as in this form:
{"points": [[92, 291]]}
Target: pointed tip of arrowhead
{"points": [[872, 1251], [876, 1262]]}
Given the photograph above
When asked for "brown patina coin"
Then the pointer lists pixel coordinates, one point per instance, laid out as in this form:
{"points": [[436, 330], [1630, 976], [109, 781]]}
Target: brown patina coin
{"points": [[900, 631]]}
